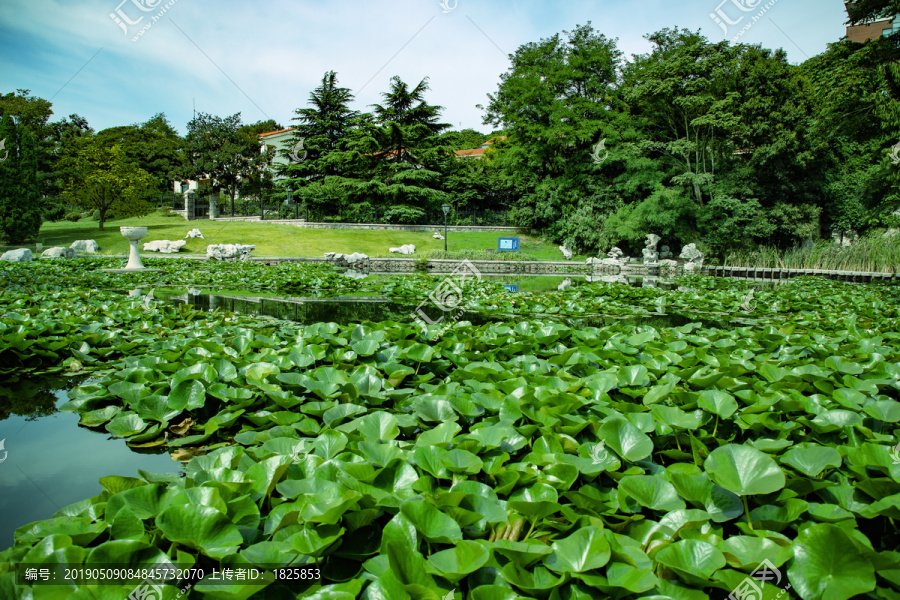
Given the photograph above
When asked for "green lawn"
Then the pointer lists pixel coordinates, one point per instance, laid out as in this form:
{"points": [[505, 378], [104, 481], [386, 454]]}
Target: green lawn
{"points": [[280, 240]]}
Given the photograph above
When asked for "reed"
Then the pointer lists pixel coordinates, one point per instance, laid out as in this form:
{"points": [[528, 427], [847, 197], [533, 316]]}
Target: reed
{"points": [[871, 254]]}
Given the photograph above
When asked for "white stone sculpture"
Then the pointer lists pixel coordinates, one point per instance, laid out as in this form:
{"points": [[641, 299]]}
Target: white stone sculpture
{"points": [[566, 252], [194, 233], [693, 258], [85, 247], [165, 246], [438, 236], [229, 252], [616, 258], [19, 255], [407, 249], [566, 284], [344, 260], [134, 235], [651, 256], [58, 253], [665, 253]]}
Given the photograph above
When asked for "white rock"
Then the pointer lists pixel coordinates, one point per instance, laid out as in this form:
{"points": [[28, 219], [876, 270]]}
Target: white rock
{"points": [[438, 236], [194, 233], [165, 246], [566, 284], [85, 247], [58, 253], [666, 262], [355, 257], [566, 252], [19, 255], [408, 249], [229, 252]]}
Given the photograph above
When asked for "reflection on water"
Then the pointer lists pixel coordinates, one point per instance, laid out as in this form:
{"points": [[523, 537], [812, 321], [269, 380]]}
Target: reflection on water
{"points": [[344, 311], [49, 462]]}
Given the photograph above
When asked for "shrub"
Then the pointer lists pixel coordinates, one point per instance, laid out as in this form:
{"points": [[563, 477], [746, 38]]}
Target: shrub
{"points": [[73, 217], [405, 215], [54, 212]]}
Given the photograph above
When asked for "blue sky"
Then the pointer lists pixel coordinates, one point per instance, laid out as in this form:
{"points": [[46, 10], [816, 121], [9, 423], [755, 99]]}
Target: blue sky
{"points": [[263, 57]]}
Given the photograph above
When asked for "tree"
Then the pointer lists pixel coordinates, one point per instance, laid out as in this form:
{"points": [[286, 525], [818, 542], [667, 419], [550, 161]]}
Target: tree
{"points": [[330, 172], [106, 181], [147, 146], [467, 139], [409, 159], [856, 119], [260, 127], [558, 102], [216, 150], [20, 197]]}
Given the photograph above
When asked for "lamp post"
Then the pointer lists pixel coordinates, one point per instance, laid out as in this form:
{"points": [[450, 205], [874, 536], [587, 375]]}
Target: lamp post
{"points": [[446, 209]]}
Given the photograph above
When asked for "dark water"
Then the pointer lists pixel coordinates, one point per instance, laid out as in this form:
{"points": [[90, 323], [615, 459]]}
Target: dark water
{"points": [[49, 462], [344, 311]]}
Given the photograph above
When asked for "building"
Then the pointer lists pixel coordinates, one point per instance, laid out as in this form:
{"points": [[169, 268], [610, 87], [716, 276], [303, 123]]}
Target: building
{"points": [[477, 153], [279, 141], [864, 32]]}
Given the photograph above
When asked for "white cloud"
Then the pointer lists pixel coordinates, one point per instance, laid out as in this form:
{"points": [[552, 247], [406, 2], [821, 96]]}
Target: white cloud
{"points": [[276, 51]]}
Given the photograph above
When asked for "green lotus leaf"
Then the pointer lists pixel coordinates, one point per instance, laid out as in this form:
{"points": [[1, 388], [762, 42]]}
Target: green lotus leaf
{"points": [[533, 581], [378, 427], [434, 525], [454, 564], [126, 425], [829, 566], [200, 527], [743, 470], [746, 552], [584, 550], [694, 561], [522, 553], [812, 461], [460, 461], [718, 403], [651, 492], [626, 440], [95, 418], [187, 395], [438, 436], [535, 502]]}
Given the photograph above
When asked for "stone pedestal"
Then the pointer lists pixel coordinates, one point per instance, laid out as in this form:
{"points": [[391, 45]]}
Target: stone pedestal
{"points": [[134, 235]]}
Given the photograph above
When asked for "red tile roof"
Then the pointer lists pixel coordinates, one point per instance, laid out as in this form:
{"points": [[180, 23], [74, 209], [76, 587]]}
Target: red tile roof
{"points": [[262, 135]]}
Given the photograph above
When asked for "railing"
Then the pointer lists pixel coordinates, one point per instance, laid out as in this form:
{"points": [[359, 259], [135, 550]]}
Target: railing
{"points": [[269, 208]]}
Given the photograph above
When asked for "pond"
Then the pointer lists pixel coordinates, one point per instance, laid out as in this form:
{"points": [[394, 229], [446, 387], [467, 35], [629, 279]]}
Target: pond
{"points": [[49, 462], [343, 311]]}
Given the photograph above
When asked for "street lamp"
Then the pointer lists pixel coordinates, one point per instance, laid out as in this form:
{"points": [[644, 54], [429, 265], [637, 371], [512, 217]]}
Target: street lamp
{"points": [[446, 209]]}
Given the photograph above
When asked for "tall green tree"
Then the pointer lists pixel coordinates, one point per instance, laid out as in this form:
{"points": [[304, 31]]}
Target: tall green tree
{"points": [[20, 197], [409, 159], [855, 127], [150, 146], [325, 166], [105, 180], [559, 102], [216, 150]]}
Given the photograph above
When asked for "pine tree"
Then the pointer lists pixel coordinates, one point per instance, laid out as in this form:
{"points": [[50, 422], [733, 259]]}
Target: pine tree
{"points": [[20, 214]]}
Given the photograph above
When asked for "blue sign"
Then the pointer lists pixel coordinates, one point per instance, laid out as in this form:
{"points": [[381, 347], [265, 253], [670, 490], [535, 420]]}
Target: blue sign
{"points": [[512, 288], [508, 244]]}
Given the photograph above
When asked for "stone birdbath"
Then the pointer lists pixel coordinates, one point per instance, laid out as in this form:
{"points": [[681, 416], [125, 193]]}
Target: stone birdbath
{"points": [[133, 235]]}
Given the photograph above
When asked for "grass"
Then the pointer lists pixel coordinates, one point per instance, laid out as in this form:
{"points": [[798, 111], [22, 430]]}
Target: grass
{"points": [[871, 254], [283, 240]]}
